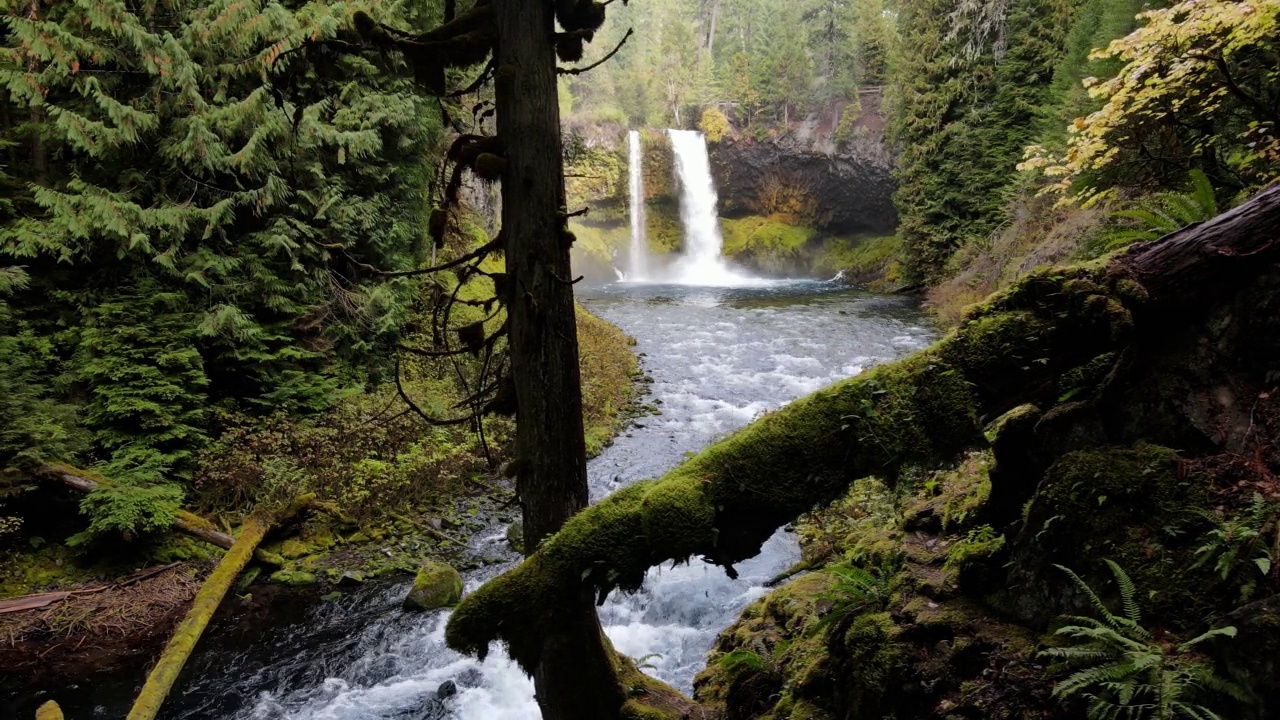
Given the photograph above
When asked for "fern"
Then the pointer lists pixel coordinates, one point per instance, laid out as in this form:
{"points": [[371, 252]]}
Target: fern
{"points": [[1237, 548], [1123, 673], [854, 591], [1159, 214]]}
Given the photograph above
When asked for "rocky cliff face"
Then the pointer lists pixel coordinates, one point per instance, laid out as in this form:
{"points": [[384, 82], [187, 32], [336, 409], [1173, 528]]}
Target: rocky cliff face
{"points": [[827, 177]]}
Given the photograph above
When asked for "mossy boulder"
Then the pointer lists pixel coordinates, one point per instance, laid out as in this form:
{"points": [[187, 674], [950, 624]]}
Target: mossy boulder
{"points": [[1136, 505], [515, 536], [436, 585]]}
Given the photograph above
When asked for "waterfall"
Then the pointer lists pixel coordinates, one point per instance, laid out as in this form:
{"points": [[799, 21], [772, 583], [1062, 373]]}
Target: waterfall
{"points": [[637, 268], [701, 263]]}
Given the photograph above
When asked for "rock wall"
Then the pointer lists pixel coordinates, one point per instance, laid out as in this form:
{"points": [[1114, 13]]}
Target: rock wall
{"points": [[824, 173]]}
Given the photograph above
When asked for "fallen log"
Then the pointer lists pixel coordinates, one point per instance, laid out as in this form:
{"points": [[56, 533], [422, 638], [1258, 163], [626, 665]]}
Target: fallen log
{"points": [[184, 639], [1024, 345], [183, 521]]}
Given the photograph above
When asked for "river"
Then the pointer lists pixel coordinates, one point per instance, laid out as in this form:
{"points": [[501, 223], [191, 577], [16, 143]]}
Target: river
{"points": [[718, 358]]}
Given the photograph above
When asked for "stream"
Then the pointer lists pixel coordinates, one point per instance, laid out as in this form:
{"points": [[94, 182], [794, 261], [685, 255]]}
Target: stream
{"points": [[718, 356]]}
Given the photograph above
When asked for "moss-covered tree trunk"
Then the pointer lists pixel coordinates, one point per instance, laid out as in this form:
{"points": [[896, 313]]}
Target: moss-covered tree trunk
{"points": [[1057, 334], [167, 669], [573, 671]]}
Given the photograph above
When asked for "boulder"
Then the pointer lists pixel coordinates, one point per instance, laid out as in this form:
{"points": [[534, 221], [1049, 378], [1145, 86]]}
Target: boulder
{"points": [[515, 536], [437, 585]]}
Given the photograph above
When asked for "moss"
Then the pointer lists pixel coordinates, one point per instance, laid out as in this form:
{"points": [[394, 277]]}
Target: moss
{"points": [[873, 261], [436, 585], [292, 577], [1134, 505], [184, 639]]}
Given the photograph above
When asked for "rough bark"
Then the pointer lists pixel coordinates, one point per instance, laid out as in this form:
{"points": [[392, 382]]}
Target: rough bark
{"points": [[162, 677], [574, 678], [183, 521], [1029, 344]]}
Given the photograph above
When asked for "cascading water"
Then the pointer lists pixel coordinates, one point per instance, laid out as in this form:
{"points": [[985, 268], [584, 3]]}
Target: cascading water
{"points": [[638, 266], [701, 263], [719, 357]]}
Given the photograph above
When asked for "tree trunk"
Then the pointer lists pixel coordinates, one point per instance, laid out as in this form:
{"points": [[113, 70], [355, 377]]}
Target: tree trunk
{"points": [[38, 159], [162, 677], [574, 675]]}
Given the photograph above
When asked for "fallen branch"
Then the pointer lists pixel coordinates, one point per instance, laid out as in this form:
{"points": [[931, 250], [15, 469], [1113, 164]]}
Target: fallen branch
{"points": [[183, 521], [176, 652]]}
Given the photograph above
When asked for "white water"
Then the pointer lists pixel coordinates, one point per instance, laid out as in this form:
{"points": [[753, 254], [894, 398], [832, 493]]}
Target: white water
{"points": [[638, 267], [719, 357], [701, 262]]}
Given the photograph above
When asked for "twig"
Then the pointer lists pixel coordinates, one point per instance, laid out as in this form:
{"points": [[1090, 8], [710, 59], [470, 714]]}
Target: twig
{"points": [[601, 61]]}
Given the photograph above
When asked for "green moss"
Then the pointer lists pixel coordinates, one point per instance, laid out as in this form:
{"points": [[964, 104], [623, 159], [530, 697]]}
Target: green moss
{"points": [[1134, 505], [292, 577], [876, 261], [436, 585]]}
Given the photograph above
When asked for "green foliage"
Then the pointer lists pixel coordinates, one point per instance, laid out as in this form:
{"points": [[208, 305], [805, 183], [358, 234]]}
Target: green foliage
{"points": [[740, 660], [979, 543], [1236, 548], [1162, 213], [126, 510], [189, 237], [1122, 671], [965, 100], [855, 591]]}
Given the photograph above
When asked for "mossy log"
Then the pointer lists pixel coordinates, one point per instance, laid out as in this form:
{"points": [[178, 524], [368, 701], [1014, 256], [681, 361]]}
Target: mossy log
{"points": [[1053, 335], [183, 520], [184, 639]]}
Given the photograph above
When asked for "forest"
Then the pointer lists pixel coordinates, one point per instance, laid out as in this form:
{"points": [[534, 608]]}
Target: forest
{"points": [[585, 360]]}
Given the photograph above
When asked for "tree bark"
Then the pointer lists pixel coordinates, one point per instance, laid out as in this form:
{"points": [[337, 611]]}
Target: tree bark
{"points": [[574, 675], [1180, 269]]}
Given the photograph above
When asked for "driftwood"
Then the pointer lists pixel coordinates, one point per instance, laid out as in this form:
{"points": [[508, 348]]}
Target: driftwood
{"points": [[183, 521], [180, 646]]}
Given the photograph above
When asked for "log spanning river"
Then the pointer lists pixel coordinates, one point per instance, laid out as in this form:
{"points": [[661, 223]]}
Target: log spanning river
{"points": [[718, 357]]}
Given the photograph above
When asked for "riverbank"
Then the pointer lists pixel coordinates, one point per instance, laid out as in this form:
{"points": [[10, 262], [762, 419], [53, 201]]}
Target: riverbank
{"points": [[403, 492]]}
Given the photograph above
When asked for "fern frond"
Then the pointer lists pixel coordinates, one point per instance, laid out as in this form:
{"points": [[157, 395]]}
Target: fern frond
{"points": [[1127, 592]]}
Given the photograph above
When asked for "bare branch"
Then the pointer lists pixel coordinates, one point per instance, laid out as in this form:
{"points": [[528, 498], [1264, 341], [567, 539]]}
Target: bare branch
{"points": [[601, 61]]}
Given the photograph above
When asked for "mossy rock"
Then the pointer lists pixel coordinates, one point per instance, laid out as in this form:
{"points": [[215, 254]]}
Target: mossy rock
{"points": [[515, 536], [437, 585], [1135, 505], [292, 549], [292, 577]]}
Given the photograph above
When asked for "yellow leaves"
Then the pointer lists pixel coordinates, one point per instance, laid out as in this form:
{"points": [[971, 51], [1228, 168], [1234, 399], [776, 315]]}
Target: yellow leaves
{"points": [[1172, 74]]}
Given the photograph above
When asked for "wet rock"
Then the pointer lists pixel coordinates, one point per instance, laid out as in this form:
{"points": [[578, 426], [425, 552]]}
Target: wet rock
{"points": [[469, 678], [351, 578], [835, 193], [515, 536], [437, 585], [447, 689]]}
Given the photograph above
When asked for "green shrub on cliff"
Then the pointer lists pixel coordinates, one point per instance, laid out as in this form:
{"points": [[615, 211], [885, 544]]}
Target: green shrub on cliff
{"points": [[714, 124]]}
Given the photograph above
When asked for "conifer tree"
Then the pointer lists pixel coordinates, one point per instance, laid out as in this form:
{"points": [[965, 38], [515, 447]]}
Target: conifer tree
{"points": [[195, 236]]}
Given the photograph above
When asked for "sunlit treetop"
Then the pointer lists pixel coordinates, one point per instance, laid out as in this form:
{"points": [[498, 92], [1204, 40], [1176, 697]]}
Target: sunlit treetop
{"points": [[1199, 87]]}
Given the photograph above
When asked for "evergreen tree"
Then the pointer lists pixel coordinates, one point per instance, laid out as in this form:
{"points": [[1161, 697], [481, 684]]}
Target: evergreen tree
{"points": [[197, 235]]}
